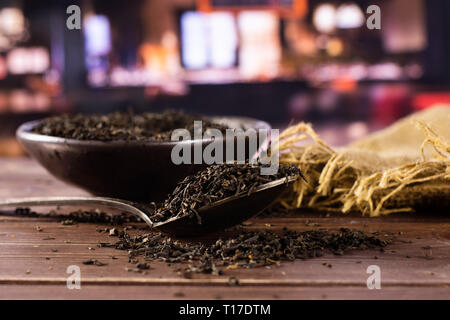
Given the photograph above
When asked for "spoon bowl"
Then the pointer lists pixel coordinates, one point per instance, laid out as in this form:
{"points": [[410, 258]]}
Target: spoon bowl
{"points": [[227, 212]]}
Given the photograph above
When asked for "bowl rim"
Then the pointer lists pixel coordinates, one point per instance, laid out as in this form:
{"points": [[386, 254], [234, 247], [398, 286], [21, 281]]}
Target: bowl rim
{"points": [[23, 134]]}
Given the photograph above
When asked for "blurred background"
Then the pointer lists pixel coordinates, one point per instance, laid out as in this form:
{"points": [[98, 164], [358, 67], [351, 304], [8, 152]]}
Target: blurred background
{"points": [[281, 61]]}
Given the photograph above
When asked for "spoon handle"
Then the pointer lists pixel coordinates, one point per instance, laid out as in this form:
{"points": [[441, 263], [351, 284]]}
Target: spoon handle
{"points": [[65, 201]]}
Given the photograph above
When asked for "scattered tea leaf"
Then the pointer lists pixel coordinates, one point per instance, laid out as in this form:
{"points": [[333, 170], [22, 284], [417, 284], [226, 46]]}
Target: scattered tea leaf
{"points": [[94, 262]]}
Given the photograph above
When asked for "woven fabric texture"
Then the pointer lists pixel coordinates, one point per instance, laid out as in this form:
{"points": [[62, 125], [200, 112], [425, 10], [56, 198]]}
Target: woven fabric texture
{"points": [[404, 167]]}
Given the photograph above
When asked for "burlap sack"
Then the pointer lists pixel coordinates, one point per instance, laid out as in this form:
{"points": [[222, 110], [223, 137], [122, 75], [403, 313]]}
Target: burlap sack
{"points": [[404, 167]]}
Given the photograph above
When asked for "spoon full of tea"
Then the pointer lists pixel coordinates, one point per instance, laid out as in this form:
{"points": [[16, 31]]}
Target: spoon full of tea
{"points": [[216, 216]]}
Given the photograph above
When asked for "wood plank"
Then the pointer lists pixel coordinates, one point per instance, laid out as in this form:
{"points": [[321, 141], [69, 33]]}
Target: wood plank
{"points": [[226, 293], [21, 245], [23, 177], [31, 267]]}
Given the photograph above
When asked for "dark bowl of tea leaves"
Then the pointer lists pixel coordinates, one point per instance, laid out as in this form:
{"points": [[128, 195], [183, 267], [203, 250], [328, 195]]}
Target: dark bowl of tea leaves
{"points": [[120, 155]]}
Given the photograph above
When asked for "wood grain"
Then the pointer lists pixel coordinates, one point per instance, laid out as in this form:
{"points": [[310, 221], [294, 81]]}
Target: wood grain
{"points": [[33, 263]]}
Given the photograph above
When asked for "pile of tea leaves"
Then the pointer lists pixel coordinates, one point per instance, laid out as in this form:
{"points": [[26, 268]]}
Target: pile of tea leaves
{"points": [[248, 249], [215, 183], [81, 216], [237, 248], [120, 126]]}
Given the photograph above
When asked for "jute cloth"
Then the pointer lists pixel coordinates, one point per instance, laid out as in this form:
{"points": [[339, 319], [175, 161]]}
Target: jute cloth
{"points": [[401, 168]]}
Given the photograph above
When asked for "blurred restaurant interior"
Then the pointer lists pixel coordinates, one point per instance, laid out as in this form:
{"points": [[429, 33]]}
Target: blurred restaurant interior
{"points": [[281, 61]]}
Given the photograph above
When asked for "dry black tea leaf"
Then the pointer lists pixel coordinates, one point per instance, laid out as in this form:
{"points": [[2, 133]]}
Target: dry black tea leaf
{"points": [[94, 262], [215, 183], [248, 249], [82, 216], [121, 126]]}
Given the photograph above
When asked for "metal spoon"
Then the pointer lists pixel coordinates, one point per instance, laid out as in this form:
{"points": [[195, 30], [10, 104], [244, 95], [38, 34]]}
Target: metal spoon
{"points": [[215, 216]]}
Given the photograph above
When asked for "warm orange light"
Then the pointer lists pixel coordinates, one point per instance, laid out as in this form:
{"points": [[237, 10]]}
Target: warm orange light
{"points": [[335, 47], [204, 5], [344, 85], [298, 9], [154, 56]]}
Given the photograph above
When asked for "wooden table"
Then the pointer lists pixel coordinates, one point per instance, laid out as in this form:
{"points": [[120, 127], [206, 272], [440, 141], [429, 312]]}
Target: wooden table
{"points": [[31, 267]]}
